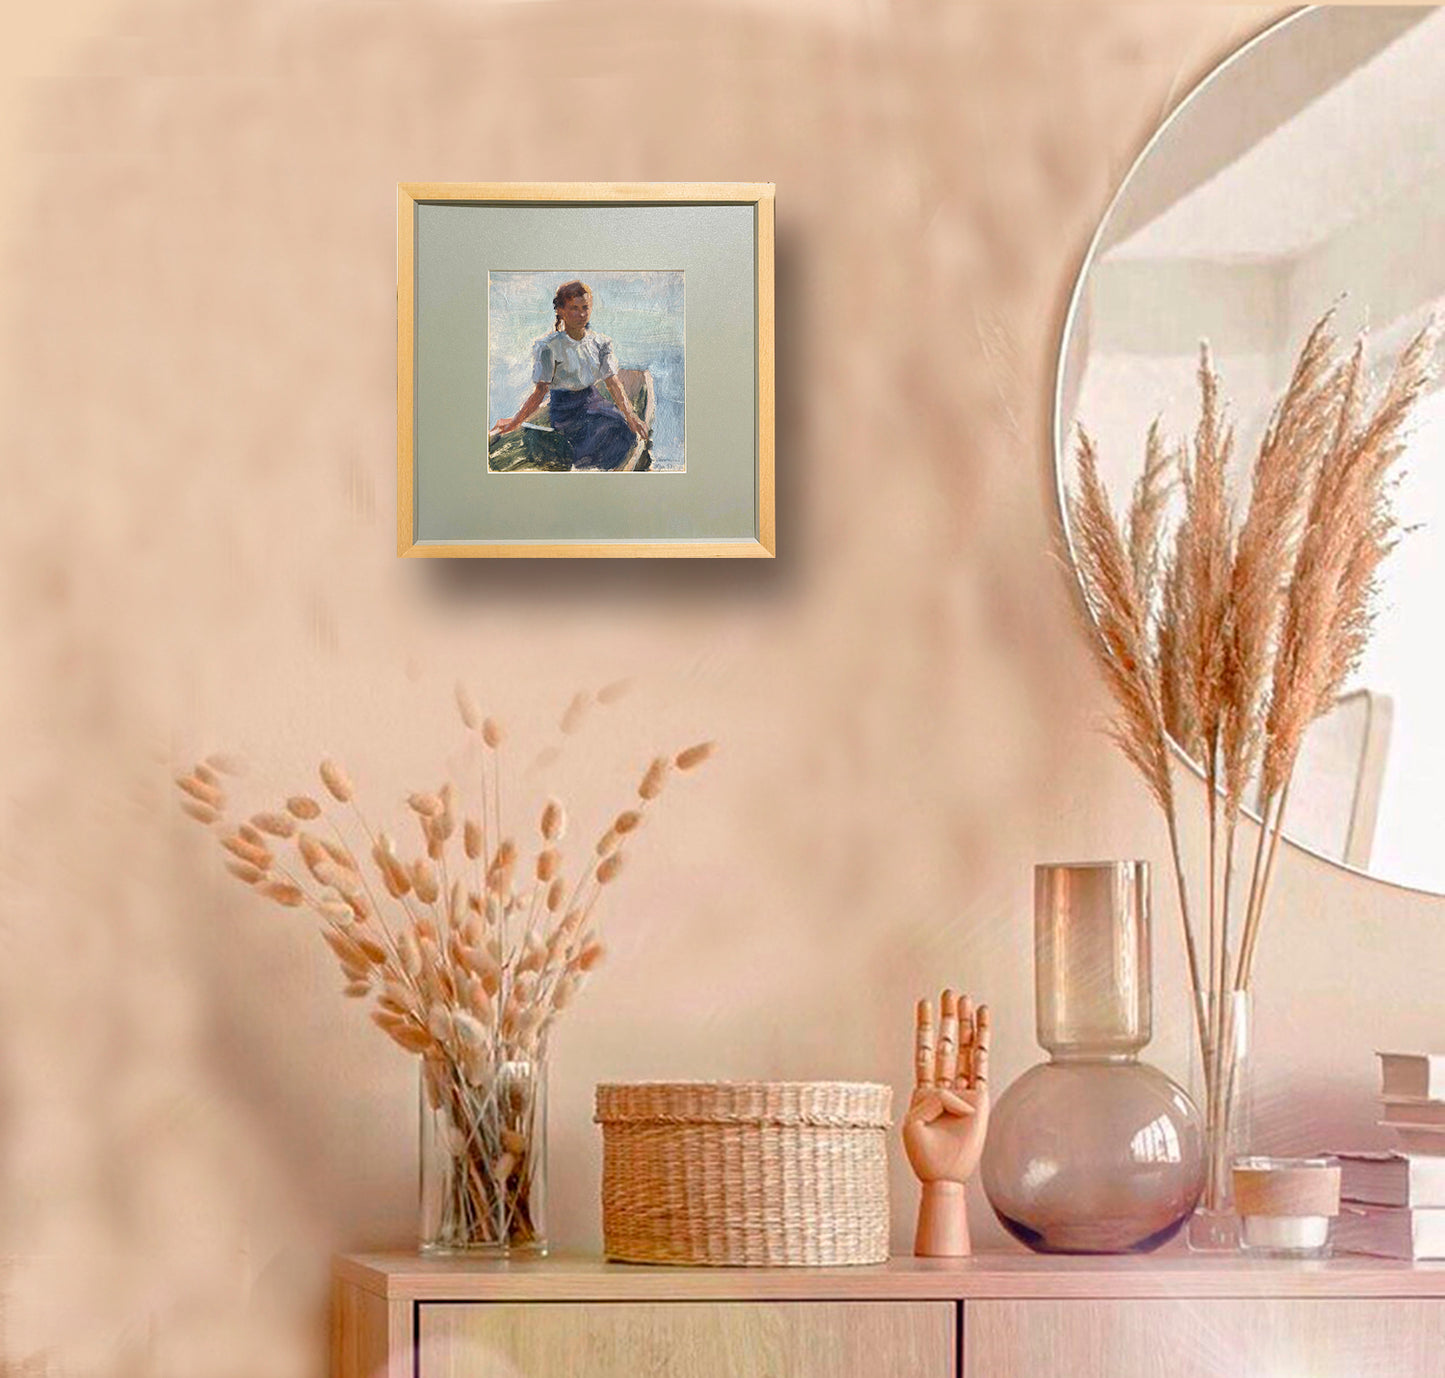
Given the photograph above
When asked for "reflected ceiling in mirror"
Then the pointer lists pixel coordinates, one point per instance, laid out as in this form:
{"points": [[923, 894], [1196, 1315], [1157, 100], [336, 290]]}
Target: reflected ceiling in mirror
{"points": [[1307, 171]]}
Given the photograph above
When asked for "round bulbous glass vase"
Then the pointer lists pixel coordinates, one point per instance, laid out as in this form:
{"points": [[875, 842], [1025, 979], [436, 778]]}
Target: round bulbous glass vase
{"points": [[1094, 1155]]}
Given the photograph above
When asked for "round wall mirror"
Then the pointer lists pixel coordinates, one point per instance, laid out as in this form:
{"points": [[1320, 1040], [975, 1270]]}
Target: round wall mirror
{"points": [[1307, 171]]}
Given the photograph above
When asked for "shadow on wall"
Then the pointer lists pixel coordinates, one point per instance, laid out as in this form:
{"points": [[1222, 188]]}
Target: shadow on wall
{"points": [[201, 451]]}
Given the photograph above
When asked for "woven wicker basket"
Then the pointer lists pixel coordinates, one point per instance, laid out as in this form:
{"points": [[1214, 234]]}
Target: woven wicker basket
{"points": [[756, 1173]]}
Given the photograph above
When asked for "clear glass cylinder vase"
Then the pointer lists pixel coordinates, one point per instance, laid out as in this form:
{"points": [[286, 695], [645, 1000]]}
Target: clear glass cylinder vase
{"points": [[1093, 1151], [1221, 1081], [483, 1151]]}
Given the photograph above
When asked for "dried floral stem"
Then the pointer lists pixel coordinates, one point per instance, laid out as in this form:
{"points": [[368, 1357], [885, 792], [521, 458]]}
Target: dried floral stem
{"points": [[1132, 671], [1245, 969], [1190, 951], [1255, 628]]}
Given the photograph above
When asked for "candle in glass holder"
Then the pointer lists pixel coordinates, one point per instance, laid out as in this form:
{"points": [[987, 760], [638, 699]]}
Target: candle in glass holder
{"points": [[1285, 1205]]}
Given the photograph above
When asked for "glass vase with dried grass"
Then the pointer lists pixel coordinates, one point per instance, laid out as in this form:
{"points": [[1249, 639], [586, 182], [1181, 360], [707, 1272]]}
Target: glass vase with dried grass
{"points": [[467, 954], [1226, 636]]}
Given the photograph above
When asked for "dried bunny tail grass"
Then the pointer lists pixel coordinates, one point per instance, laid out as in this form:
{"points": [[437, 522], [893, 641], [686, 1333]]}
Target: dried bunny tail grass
{"points": [[410, 1037], [202, 772], [467, 707], [337, 783], [549, 863], [1306, 421], [358, 903], [254, 853], [499, 873], [556, 893], [427, 805], [375, 953], [313, 853], [694, 756], [576, 713], [553, 823], [244, 871], [492, 733], [393, 874], [408, 953], [565, 991], [505, 857], [628, 821], [607, 843], [478, 1000], [1121, 643], [654, 779], [284, 892], [608, 868], [252, 835], [590, 956], [472, 838], [347, 952], [304, 807], [424, 881], [339, 854], [202, 813], [275, 824], [225, 763], [202, 792], [346, 883], [435, 840]]}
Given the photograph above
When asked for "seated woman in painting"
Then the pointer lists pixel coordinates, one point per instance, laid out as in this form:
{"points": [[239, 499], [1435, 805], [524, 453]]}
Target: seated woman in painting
{"points": [[565, 365]]}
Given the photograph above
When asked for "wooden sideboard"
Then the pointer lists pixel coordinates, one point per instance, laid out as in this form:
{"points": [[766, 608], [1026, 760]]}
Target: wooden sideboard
{"points": [[994, 1316]]}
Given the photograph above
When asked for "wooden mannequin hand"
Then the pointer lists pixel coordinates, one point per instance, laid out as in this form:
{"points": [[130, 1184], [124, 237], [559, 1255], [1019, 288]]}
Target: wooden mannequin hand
{"points": [[947, 1119], [943, 1133]]}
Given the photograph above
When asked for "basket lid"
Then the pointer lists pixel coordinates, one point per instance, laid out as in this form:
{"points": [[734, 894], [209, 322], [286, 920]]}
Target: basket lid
{"points": [[831, 1104]]}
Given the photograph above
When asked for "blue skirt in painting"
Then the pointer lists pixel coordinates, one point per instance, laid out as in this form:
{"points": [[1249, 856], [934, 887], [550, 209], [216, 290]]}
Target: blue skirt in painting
{"points": [[599, 436]]}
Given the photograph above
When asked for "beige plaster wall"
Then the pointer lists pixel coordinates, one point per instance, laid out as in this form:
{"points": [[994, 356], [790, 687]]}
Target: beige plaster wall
{"points": [[197, 325]]}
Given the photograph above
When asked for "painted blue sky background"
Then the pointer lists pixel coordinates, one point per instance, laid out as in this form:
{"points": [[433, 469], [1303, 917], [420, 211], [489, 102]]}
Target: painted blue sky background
{"points": [[643, 313]]}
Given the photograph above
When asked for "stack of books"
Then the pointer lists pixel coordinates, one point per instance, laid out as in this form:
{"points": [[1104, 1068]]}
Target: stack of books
{"points": [[1393, 1204]]}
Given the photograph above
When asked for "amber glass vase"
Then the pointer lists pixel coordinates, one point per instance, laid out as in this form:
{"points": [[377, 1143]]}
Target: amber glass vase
{"points": [[1093, 1151]]}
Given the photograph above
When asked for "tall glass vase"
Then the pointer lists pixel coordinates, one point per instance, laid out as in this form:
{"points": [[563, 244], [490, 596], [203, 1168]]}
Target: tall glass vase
{"points": [[1222, 1085], [484, 1157], [1093, 1151]]}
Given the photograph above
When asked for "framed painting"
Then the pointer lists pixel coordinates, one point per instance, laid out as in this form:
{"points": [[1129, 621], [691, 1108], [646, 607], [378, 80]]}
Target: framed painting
{"points": [[585, 369]]}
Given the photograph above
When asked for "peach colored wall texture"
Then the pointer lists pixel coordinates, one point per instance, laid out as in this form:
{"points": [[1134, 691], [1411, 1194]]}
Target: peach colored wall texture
{"points": [[198, 318]]}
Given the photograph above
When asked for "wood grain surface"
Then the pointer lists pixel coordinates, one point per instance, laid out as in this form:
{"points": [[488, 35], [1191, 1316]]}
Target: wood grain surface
{"points": [[699, 1340], [1204, 1339], [404, 1276]]}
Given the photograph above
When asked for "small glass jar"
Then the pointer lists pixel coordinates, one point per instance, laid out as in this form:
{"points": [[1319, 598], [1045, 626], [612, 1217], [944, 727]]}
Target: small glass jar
{"points": [[1286, 1205]]}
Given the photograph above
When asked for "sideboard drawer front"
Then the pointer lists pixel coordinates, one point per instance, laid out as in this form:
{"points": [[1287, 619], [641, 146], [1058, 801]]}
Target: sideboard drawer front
{"points": [[687, 1339], [1328, 1338]]}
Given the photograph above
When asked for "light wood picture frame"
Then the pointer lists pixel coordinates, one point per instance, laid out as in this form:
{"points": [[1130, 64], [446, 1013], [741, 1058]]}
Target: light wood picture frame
{"points": [[679, 275]]}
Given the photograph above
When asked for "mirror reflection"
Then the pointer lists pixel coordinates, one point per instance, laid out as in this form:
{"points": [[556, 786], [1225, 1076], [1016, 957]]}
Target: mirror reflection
{"points": [[1308, 171]]}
